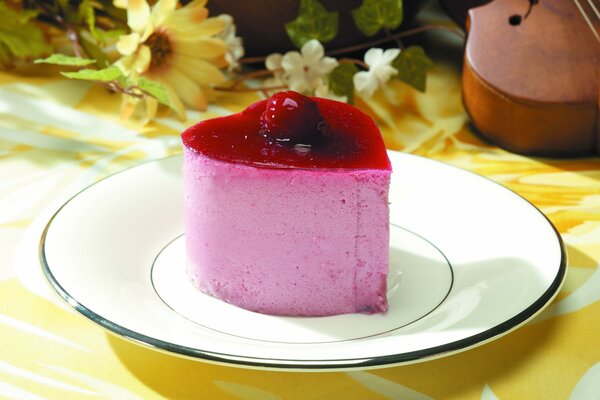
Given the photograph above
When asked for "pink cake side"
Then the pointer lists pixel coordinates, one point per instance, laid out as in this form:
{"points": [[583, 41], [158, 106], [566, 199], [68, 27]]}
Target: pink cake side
{"points": [[287, 241]]}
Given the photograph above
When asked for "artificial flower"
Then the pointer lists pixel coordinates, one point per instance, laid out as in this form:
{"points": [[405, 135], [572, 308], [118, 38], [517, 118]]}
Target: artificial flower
{"points": [[138, 13], [304, 71], [177, 47], [235, 50], [380, 71], [273, 64]]}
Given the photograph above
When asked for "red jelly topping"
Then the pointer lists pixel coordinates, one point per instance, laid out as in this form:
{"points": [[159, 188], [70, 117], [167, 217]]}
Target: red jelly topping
{"points": [[292, 118], [314, 133]]}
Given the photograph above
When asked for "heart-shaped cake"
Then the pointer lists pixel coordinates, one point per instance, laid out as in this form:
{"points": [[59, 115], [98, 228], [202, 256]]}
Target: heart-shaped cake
{"points": [[286, 208]]}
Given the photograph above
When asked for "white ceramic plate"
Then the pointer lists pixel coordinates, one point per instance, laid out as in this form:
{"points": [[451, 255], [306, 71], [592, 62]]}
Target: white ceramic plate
{"points": [[470, 261]]}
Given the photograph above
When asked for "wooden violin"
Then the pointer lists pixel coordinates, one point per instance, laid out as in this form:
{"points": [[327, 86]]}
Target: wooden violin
{"points": [[531, 73]]}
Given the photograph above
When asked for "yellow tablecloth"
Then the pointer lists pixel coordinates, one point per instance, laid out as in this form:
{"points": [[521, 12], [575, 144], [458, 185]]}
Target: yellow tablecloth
{"points": [[58, 136]]}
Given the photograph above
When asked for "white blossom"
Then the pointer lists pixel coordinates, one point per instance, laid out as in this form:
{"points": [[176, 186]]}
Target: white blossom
{"points": [[304, 71], [235, 49], [380, 71], [273, 64]]}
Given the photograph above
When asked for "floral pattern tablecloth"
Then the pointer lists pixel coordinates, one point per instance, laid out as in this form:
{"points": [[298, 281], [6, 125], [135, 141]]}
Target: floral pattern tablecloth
{"points": [[58, 136]]}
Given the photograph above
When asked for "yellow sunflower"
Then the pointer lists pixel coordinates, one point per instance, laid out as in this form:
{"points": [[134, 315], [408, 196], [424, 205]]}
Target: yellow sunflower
{"points": [[174, 46]]}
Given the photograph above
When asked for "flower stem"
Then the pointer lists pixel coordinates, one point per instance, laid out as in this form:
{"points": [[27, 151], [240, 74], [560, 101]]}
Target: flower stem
{"points": [[394, 37], [73, 37], [388, 34], [252, 60], [355, 61], [132, 91], [250, 75]]}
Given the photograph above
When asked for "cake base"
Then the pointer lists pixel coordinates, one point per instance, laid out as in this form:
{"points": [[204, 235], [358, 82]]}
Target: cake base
{"points": [[287, 241]]}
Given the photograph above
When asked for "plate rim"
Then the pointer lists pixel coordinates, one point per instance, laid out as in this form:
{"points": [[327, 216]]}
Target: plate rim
{"points": [[342, 364]]}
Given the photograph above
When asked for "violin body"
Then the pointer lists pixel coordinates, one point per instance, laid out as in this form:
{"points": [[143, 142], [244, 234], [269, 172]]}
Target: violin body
{"points": [[531, 75]]}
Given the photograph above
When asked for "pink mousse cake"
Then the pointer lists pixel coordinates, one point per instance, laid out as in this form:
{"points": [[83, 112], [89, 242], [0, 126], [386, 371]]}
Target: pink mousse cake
{"points": [[286, 208]]}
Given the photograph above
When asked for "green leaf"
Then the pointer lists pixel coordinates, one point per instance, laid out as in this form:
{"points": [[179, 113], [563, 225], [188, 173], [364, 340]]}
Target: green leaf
{"points": [[341, 80], [5, 55], [87, 14], [156, 90], [26, 15], [105, 75], [19, 35], [117, 16], [94, 51], [313, 22], [412, 64], [373, 15], [61, 59]]}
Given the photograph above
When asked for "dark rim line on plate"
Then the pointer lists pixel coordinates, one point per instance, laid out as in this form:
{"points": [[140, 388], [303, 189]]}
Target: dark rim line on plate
{"points": [[448, 264], [332, 364]]}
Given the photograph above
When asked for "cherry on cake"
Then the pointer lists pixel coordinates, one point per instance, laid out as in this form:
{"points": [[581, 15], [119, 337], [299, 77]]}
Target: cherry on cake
{"points": [[286, 208]]}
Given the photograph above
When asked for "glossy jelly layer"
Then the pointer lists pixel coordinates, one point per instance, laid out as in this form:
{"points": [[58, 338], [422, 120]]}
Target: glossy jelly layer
{"points": [[354, 141]]}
